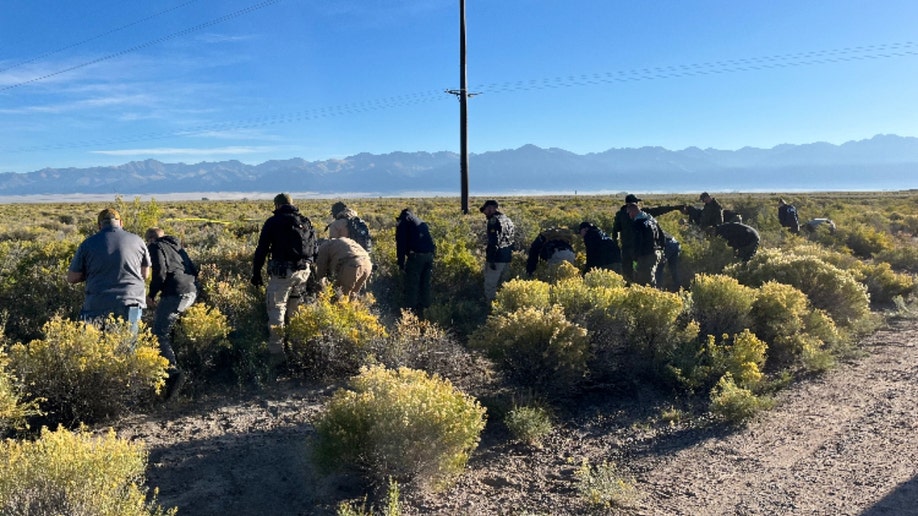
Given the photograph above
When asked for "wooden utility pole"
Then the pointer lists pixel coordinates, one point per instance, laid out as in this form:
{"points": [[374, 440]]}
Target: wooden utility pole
{"points": [[463, 94]]}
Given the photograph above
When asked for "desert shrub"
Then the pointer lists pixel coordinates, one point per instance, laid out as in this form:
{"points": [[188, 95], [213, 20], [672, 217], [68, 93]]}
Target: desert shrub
{"points": [[884, 284], [83, 374], [603, 278], [32, 285], [734, 404], [794, 330], [702, 254], [603, 487], [827, 287], [550, 273], [865, 241], [697, 366], [402, 424], [537, 347], [720, 304], [518, 293], [329, 338], [200, 335], [901, 257], [14, 413], [75, 473], [529, 423], [391, 506]]}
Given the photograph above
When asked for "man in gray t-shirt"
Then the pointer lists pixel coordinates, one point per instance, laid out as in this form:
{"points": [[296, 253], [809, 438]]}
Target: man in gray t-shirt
{"points": [[114, 264]]}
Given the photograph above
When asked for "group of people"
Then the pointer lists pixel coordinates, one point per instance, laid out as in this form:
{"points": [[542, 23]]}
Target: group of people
{"points": [[115, 264]]}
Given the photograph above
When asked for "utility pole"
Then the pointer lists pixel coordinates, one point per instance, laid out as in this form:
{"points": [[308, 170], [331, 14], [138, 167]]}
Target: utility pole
{"points": [[463, 94]]}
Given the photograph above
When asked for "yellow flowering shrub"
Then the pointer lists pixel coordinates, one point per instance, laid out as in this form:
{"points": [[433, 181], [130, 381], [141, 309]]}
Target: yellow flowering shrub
{"points": [[720, 304], [77, 473], [403, 424], [520, 293], [200, 334], [83, 374], [13, 412]]}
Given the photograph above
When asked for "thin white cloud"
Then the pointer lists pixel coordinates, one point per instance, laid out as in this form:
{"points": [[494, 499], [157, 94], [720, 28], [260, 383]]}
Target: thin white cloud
{"points": [[178, 151]]}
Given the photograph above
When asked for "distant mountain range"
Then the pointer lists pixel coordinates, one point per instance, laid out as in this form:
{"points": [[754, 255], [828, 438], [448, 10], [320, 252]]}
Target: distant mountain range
{"points": [[884, 162]]}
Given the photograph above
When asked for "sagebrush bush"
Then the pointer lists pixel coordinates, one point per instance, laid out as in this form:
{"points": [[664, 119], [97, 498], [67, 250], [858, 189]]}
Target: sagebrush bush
{"points": [[795, 332], [14, 413], [75, 473], [699, 365], [734, 404], [884, 284], [529, 423], [720, 304], [519, 293], [865, 241], [827, 287], [419, 344], [403, 424], [537, 347], [84, 374], [603, 487], [329, 338], [902, 257], [550, 273], [200, 334]]}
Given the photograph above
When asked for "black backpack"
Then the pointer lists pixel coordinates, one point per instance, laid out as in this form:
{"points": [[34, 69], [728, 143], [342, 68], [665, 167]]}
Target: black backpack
{"points": [[302, 238], [358, 231]]}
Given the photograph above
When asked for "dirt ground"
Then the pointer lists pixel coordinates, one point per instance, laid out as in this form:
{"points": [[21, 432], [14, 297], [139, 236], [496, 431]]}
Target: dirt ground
{"points": [[841, 444]]}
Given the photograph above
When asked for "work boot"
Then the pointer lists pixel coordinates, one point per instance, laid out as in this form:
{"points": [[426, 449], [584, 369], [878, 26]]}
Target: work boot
{"points": [[174, 384]]}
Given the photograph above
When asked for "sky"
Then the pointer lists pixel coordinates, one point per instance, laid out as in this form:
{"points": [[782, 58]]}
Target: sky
{"points": [[105, 82]]}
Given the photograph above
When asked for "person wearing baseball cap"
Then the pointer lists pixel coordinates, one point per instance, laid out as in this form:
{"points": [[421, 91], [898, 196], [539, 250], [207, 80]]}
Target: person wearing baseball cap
{"points": [[114, 264]]}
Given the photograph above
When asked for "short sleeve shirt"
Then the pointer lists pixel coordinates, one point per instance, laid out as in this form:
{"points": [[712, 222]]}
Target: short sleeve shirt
{"points": [[111, 262]]}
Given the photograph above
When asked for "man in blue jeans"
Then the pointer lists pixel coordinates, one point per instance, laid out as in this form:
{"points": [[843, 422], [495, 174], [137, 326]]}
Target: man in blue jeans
{"points": [[114, 264], [175, 280]]}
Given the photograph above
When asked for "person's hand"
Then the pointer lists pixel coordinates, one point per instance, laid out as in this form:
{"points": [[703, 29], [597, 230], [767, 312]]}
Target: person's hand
{"points": [[151, 302], [257, 280]]}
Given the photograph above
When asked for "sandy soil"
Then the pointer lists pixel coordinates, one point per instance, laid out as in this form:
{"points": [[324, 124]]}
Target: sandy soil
{"points": [[841, 444]]}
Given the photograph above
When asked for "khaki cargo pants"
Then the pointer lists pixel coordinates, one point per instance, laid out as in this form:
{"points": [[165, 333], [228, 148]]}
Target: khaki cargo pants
{"points": [[282, 297]]}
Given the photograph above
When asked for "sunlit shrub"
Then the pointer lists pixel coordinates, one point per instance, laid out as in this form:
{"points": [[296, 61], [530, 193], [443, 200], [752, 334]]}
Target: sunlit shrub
{"points": [[84, 374], [400, 423], [13, 411], [884, 284], [537, 347], [603, 487], [603, 278], [518, 293], [827, 287], [720, 304], [550, 273], [734, 404], [75, 473], [329, 337], [865, 241], [697, 366], [420, 344], [901, 258], [201, 333], [529, 423]]}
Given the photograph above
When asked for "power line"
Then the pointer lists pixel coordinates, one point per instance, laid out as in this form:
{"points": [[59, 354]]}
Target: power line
{"points": [[97, 36], [874, 52], [221, 19]]}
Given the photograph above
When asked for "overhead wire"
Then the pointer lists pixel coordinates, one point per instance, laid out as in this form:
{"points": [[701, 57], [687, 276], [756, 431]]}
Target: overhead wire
{"points": [[872, 52], [189, 30], [97, 36]]}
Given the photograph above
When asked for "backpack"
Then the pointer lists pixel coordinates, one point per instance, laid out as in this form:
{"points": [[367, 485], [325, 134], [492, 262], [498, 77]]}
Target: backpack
{"points": [[302, 239], [358, 231]]}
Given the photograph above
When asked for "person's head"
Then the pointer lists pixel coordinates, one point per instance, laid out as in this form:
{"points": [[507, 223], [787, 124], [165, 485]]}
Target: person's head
{"points": [[404, 215], [489, 207], [633, 209], [585, 227], [154, 234], [632, 199], [705, 197], [781, 202], [282, 199], [337, 208], [109, 217]]}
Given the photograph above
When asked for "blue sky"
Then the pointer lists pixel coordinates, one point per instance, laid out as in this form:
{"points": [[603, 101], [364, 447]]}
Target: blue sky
{"points": [[105, 82]]}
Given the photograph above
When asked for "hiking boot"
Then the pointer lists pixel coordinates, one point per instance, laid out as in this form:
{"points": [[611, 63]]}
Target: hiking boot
{"points": [[174, 384]]}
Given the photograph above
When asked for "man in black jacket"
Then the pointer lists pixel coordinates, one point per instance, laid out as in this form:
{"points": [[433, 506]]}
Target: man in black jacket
{"points": [[414, 249], [499, 250], [622, 229], [175, 280], [552, 246], [602, 251], [289, 238], [648, 245], [742, 238]]}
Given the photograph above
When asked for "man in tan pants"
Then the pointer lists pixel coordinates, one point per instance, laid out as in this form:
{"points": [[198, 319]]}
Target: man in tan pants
{"points": [[347, 261]]}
